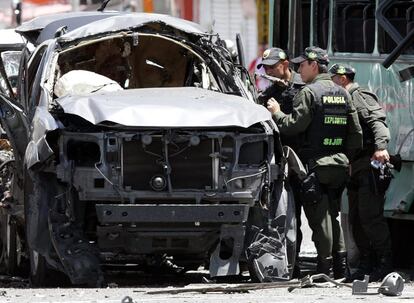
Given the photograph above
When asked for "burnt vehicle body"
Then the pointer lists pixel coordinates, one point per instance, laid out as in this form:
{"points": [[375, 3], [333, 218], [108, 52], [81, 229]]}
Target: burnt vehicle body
{"points": [[11, 45], [139, 142]]}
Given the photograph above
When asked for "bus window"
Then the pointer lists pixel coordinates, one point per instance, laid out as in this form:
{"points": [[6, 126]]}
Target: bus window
{"points": [[410, 19], [400, 15], [281, 24], [368, 28], [297, 25], [322, 24], [354, 26], [305, 20]]}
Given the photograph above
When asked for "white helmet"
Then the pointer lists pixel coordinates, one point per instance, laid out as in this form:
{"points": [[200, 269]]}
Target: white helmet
{"points": [[392, 285]]}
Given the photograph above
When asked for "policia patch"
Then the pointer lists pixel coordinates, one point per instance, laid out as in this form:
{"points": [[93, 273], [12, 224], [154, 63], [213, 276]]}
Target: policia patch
{"points": [[334, 115], [334, 100]]}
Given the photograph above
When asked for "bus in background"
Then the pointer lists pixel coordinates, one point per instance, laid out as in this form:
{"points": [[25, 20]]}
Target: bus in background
{"points": [[376, 37]]}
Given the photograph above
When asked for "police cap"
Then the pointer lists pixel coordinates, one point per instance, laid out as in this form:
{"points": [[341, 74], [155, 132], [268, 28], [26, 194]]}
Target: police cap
{"points": [[271, 56], [313, 53], [342, 69]]}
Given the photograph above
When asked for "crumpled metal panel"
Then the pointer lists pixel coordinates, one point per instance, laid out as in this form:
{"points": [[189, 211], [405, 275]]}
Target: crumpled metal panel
{"points": [[166, 107], [131, 21], [228, 266], [38, 149]]}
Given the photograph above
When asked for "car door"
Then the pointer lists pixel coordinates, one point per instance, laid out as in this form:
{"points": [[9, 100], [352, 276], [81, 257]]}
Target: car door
{"points": [[12, 116]]}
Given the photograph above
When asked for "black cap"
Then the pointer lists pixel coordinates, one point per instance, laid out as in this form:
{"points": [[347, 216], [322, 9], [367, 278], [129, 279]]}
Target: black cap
{"points": [[272, 56], [313, 53], [341, 69]]}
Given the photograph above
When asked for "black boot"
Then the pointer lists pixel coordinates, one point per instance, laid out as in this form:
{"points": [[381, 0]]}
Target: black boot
{"points": [[296, 271], [324, 265], [364, 268], [383, 268], [339, 264]]}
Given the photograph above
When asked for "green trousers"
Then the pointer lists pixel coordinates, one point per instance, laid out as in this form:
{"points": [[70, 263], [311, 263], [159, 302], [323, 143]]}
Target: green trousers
{"points": [[323, 215], [366, 215]]}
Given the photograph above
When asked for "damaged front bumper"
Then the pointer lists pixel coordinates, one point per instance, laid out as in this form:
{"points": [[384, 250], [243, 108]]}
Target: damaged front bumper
{"points": [[126, 195], [116, 213]]}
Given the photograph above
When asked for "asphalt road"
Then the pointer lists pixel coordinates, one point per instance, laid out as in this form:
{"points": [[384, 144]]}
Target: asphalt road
{"points": [[140, 294], [135, 287]]}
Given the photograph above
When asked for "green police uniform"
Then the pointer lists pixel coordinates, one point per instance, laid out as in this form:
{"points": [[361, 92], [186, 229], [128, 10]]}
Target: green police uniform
{"points": [[366, 201], [327, 136]]}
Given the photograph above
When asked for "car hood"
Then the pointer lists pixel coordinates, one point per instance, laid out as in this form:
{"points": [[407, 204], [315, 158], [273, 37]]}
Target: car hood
{"points": [[166, 107]]}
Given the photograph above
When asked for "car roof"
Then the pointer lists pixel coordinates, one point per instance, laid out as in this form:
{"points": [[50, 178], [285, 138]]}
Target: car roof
{"points": [[44, 27], [9, 39], [130, 21]]}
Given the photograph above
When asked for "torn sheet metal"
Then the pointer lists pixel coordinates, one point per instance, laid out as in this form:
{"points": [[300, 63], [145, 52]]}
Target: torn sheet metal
{"points": [[38, 149], [166, 107], [42, 28], [129, 22]]}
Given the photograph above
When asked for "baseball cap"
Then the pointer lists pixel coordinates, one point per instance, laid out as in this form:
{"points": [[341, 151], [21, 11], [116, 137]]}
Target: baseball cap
{"points": [[313, 53], [272, 56], [341, 69]]}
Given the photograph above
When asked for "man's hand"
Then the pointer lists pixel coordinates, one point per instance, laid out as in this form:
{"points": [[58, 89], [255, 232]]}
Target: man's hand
{"points": [[273, 106], [381, 155]]}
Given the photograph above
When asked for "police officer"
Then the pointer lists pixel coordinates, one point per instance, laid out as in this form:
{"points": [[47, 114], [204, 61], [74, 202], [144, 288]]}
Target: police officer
{"points": [[366, 197], [276, 64], [324, 115]]}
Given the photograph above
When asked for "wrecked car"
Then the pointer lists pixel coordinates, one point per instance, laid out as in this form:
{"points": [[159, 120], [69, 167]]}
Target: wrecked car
{"points": [[138, 141]]}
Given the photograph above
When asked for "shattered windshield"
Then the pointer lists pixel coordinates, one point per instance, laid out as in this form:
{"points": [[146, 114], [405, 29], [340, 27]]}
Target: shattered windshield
{"points": [[129, 62], [11, 61]]}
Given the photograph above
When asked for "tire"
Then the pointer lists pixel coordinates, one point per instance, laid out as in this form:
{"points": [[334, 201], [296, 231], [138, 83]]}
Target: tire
{"points": [[283, 218]]}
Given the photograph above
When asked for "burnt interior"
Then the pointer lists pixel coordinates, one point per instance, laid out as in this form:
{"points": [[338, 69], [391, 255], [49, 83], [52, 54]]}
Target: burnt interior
{"points": [[142, 61]]}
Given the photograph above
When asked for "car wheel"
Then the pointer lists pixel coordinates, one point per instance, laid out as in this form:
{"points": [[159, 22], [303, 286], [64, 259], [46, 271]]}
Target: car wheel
{"points": [[41, 274], [271, 250]]}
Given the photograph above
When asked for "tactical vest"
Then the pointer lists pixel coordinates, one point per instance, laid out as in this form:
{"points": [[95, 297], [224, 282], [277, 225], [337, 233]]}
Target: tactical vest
{"points": [[326, 135]]}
